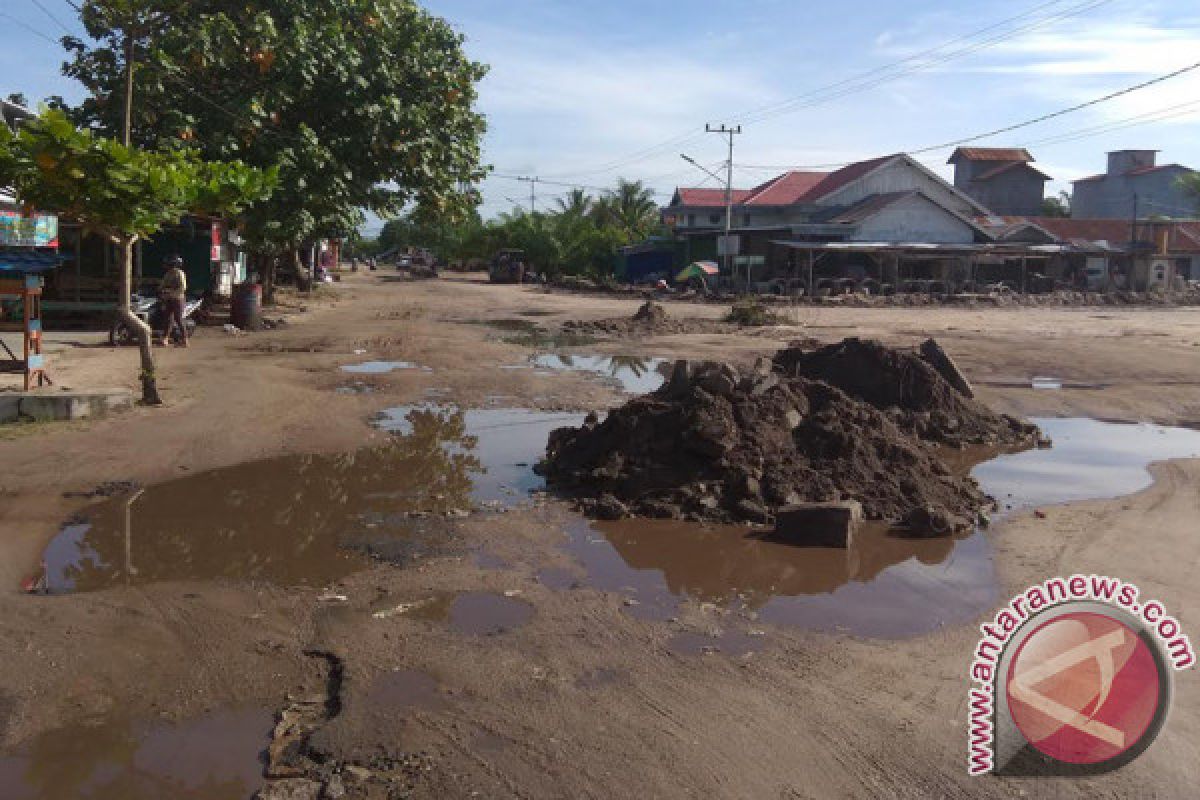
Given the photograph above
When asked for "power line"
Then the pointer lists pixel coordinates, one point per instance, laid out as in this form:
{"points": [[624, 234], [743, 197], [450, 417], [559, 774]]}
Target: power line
{"points": [[1088, 5], [30, 28], [1007, 128], [822, 96], [54, 18]]}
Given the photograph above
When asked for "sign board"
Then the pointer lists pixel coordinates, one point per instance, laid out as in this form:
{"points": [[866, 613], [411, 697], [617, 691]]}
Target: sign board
{"points": [[215, 233], [749, 261], [36, 230], [729, 245]]}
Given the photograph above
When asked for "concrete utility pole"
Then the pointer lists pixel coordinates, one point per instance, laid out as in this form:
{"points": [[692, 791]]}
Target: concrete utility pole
{"points": [[725, 130], [533, 182]]}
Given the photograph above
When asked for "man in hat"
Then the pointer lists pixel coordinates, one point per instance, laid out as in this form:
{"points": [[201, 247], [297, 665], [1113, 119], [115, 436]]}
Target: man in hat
{"points": [[173, 291]]}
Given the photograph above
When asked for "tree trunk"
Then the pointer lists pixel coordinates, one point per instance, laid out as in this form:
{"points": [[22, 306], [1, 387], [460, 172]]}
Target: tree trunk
{"points": [[142, 330], [267, 273], [303, 278]]}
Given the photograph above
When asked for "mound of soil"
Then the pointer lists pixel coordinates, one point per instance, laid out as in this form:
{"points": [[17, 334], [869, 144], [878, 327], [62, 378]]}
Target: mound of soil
{"points": [[721, 444], [651, 319], [915, 396]]}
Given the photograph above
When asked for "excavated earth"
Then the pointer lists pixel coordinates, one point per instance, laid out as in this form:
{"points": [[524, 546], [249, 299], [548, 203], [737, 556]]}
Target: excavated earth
{"points": [[850, 421], [651, 319]]}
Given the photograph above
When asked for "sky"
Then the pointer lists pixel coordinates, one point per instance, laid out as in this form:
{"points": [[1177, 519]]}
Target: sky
{"points": [[584, 93]]}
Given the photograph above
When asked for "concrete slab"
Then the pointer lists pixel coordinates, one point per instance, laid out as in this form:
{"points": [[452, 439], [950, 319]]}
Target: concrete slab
{"points": [[48, 405], [818, 524]]}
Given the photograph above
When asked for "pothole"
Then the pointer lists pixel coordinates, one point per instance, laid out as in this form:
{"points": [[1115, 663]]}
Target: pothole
{"points": [[882, 585], [308, 520], [634, 374], [219, 756], [382, 367]]}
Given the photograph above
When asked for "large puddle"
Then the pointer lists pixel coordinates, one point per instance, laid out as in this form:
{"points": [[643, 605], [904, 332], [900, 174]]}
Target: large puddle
{"points": [[305, 520], [635, 375], [883, 586], [215, 757]]}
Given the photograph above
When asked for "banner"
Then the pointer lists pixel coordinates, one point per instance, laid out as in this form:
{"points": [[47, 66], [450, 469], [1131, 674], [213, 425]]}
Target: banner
{"points": [[38, 230]]}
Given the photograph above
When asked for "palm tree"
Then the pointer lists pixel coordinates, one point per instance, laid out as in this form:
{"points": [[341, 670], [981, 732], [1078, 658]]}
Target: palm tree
{"points": [[631, 206], [576, 203]]}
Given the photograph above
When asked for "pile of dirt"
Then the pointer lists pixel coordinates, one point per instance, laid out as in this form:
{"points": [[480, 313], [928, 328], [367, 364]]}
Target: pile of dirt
{"points": [[651, 319], [721, 444], [910, 390]]}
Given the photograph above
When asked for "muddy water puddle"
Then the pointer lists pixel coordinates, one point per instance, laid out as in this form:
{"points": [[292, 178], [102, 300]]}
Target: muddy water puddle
{"points": [[883, 585], [215, 757], [1090, 459], [635, 375], [466, 613], [308, 520], [382, 367]]}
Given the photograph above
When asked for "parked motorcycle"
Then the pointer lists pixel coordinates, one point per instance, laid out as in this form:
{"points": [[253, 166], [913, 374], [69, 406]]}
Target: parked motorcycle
{"points": [[152, 311]]}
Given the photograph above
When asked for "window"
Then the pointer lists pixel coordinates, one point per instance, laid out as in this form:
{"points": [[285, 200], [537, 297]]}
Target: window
{"points": [[691, 220], [746, 221], [714, 219]]}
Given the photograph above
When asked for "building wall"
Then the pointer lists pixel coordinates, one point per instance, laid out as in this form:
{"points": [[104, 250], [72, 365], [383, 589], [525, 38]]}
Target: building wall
{"points": [[900, 176], [1017, 193], [914, 219], [1113, 196]]}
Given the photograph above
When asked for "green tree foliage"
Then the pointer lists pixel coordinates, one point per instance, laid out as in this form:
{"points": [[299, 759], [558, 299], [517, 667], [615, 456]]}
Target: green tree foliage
{"points": [[581, 236], [1058, 206], [359, 104], [122, 193], [1191, 187]]}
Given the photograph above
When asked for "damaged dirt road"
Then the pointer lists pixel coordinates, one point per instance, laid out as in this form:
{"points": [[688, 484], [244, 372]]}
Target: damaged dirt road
{"points": [[408, 625]]}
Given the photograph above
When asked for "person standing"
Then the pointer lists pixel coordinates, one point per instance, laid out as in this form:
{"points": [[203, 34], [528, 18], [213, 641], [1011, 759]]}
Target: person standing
{"points": [[173, 291]]}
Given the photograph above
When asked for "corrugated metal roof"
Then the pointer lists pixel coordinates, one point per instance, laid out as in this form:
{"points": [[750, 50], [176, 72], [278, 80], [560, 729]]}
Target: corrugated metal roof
{"points": [[709, 198], [785, 190], [991, 154], [870, 207], [844, 176], [1003, 168]]}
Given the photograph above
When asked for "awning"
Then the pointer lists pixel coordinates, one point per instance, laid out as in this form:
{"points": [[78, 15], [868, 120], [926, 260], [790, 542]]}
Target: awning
{"points": [[24, 262]]}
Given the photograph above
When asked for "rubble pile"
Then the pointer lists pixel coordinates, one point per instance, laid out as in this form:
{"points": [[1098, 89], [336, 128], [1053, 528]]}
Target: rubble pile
{"points": [[851, 421]]}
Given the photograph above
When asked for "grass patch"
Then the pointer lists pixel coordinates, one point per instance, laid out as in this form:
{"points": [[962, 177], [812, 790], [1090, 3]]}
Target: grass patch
{"points": [[750, 313]]}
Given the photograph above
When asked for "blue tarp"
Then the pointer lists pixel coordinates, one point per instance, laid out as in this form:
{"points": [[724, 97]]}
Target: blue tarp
{"points": [[24, 261]]}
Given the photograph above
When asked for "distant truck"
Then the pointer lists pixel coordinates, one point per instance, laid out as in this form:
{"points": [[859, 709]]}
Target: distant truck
{"points": [[508, 266]]}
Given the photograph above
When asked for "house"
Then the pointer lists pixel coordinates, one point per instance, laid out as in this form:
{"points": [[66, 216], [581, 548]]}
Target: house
{"points": [[1134, 185], [893, 199], [1000, 178], [1151, 254]]}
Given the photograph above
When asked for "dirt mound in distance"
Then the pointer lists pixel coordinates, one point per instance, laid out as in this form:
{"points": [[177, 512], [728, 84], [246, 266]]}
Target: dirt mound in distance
{"points": [[651, 319], [726, 445]]}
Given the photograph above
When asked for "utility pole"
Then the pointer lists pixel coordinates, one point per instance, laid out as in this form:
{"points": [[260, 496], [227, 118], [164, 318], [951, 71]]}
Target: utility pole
{"points": [[533, 182], [730, 132]]}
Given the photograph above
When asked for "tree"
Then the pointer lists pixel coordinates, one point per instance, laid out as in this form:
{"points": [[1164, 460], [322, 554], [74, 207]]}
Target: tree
{"points": [[576, 202], [1190, 183], [17, 98], [631, 207], [360, 104], [121, 193], [1059, 206]]}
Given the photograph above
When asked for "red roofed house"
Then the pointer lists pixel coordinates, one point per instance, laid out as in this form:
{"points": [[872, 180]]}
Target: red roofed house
{"points": [[893, 199], [1001, 178], [1133, 173]]}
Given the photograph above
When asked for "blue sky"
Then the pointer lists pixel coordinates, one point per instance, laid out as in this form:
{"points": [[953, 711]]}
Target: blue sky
{"points": [[586, 92]]}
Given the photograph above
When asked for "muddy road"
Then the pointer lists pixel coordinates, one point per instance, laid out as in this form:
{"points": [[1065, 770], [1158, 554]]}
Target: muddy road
{"points": [[337, 522]]}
